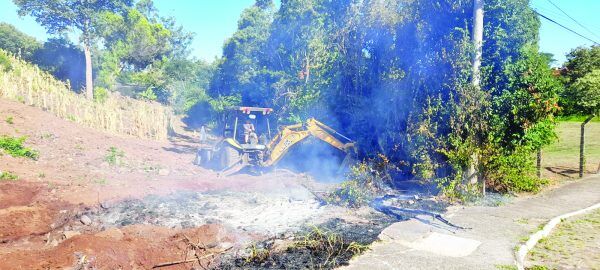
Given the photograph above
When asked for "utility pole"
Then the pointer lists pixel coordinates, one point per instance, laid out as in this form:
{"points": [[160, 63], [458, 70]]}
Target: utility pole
{"points": [[477, 41], [476, 74]]}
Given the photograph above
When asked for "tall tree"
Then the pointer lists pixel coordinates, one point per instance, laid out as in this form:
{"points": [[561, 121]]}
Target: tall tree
{"points": [[244, 56], [59, 16]]}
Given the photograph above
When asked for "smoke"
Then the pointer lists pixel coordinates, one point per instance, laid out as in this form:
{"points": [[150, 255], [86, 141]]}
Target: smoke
{"points": [[63, 59], [316, 158]]}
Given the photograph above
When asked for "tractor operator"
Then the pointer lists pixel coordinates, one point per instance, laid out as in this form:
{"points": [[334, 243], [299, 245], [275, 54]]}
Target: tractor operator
{"points": [[249, 131]]}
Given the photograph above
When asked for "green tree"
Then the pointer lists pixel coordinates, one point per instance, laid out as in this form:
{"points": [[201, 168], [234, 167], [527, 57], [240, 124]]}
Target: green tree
{"points": [[59, 16], [18, 43], [142, 51], [242, 69]]}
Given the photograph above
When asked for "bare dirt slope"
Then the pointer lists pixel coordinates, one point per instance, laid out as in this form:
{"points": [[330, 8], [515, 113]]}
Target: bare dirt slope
{"points": [[41, 213]]}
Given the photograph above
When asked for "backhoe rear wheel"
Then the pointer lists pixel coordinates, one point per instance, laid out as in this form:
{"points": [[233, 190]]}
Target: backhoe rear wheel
{"points": [[228, 157]]}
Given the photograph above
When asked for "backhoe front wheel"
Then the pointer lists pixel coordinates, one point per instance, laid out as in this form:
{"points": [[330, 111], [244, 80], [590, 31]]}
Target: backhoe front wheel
{"points": [[228, 157], [203, 157]]}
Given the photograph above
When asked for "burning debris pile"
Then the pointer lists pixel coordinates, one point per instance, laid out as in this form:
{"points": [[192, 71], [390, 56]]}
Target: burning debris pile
{"points": [[267, 214]]}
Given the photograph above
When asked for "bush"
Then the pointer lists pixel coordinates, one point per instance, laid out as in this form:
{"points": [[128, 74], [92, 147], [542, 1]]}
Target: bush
{"points": [[514, 173], [148, 94], [14, 147], [100, 94], [364, 181]]}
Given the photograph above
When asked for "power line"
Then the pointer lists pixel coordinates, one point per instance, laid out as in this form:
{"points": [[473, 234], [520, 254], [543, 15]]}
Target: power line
{"points": [[572, 18], [560, 17], [567, 28]]}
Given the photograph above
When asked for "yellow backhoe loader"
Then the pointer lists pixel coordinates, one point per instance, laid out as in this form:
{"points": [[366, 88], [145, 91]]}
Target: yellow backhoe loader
{"points": [[247, 141]]}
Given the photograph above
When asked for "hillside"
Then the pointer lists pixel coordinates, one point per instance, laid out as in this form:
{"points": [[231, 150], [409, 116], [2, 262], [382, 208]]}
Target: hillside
{"points": [[26, 83]]}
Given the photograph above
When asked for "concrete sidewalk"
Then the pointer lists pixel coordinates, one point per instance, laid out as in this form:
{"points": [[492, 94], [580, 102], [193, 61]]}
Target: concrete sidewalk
{"points": [[496, 231]]}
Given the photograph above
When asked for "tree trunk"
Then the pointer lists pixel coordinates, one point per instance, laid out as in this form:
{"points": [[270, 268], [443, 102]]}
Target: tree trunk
{"points": [[476, 76], [89, 87], [477, 41], [582, 146], [539, 163]]}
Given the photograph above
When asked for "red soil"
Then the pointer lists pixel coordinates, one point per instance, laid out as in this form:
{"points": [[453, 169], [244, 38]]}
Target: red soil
{"points": [[71, 175]]}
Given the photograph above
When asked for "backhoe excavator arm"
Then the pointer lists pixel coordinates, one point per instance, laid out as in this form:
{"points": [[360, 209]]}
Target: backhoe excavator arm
{"points": [[293, 134]]}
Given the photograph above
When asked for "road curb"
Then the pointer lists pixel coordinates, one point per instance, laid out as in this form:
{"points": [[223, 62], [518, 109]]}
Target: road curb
{"points": [[536, 237]]}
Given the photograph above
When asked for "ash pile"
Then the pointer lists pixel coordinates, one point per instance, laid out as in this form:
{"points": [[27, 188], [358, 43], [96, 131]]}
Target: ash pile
{"points": [[268, 214]]}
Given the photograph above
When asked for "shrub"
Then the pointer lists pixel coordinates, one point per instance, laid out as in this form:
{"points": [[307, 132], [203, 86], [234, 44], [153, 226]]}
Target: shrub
{"points": [[100, 94], [14, 147], [364, 181], [514, 172]]}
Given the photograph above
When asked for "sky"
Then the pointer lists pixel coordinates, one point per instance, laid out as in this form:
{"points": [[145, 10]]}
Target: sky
{"points": [[213, 21]]}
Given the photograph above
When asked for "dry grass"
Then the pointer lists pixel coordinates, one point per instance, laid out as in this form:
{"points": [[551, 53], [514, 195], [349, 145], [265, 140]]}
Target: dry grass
{"points": [[28, 84]]}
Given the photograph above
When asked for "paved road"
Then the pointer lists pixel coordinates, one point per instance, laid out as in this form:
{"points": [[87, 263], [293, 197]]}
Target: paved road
{"points": [[496, 231]]}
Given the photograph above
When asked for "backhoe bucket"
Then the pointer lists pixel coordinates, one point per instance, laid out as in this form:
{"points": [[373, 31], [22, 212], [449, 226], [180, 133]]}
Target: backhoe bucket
{"points": [[233, 169]]}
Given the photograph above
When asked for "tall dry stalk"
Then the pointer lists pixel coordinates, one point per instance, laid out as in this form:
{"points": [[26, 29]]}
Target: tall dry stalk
{"points": [[28, 84]]}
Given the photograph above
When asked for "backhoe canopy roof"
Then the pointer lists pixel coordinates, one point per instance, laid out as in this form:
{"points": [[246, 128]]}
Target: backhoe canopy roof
{"points": [[249, 110]]}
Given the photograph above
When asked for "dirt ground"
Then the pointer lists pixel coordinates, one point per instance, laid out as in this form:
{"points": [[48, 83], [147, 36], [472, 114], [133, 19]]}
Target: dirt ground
{"points": [[43, 213]]}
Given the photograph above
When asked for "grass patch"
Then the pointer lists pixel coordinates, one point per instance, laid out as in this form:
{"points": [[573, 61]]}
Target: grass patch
{"points": [[114, 156], [9, 120], [14, 147], [576, 118], [563, 155], [257, 255], [571, 245], [7, 176]]}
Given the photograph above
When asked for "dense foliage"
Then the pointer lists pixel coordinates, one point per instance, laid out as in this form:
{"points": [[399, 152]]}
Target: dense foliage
{"points": [[395, 75], [581, 74]]}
